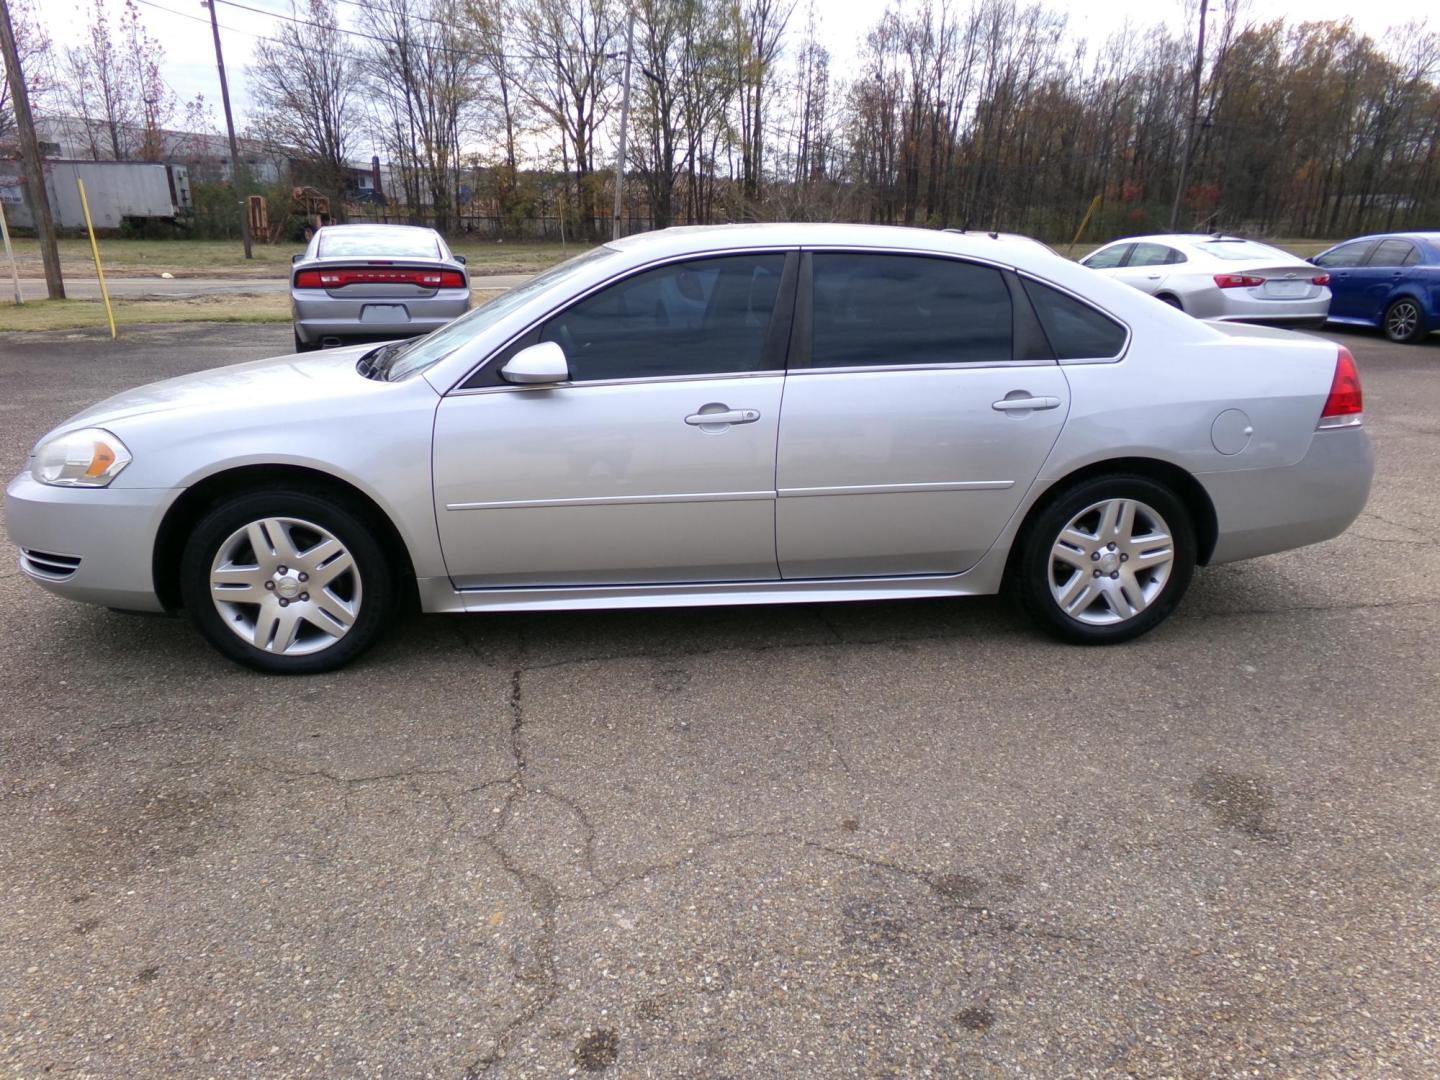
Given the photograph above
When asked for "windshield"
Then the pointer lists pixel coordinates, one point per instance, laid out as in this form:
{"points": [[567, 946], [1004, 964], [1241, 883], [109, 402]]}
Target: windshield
{"points": [[404, 243], [419, 354], [1243, 250]]}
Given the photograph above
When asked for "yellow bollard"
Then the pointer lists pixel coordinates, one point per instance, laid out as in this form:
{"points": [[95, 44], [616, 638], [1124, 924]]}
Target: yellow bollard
{"points": [[95, 250], [1085, 221], [10, 254]]}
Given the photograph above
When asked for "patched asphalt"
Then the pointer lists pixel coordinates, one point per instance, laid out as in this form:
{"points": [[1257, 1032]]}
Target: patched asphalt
{"points": [[896, 839]]}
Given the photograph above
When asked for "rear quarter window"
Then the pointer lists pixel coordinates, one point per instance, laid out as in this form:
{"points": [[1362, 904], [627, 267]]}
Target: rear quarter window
{"points": [[1076, 330]]}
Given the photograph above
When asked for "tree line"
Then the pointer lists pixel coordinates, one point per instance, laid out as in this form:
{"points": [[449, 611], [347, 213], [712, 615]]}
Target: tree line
{"points": [[988, 115]]}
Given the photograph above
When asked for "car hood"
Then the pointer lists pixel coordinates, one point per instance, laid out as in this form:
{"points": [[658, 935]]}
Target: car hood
{"points": [[278, 379]]}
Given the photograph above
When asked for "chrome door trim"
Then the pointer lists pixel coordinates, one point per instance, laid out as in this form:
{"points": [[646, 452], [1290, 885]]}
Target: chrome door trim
{"points": [[616, 500], [959, 365], [896, 489], [643, 380]]}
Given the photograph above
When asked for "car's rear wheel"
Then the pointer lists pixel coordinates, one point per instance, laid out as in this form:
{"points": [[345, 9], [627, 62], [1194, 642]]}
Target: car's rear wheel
{"points": [[1107, 560], [302, 345], [286, 582], [1404, 321], [1173, 301]]}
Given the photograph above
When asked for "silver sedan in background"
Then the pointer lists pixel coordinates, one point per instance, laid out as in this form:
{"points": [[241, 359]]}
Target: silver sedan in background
{"points": [[775, 413], [373, 283], [1220, 277]]}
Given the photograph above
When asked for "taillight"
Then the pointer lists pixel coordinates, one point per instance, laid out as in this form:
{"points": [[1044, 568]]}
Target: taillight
{"points": [[1345, 406], [339, 278], [1238, 281], [1320, 279]]}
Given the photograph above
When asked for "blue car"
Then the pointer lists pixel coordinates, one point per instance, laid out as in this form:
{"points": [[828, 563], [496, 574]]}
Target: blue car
{"points": [[1391, 281]]}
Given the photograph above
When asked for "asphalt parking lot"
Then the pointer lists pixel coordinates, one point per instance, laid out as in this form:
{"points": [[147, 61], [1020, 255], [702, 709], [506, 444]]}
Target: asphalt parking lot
{"points": [[899, 839]]}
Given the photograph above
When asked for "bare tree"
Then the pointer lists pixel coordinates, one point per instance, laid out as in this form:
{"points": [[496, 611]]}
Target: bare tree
{"points": [[304, 85], [34, 51], [153, 103], [98, 87], [761, 33]]}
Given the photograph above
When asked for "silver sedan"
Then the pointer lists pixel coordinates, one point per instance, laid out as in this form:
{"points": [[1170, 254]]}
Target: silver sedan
{"points": [[1220, 277], [749, 414], [374, 282]]}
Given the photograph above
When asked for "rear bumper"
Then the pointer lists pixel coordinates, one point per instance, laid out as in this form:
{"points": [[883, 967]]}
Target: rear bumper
{"points": [[111, 532], [1238, 305], [318, 316], [1261, 511]]}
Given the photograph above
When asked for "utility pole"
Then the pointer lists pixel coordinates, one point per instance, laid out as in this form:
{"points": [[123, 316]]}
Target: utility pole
{"points": [[30, 158], [624, 130], [230, 130], [1194, 118]]}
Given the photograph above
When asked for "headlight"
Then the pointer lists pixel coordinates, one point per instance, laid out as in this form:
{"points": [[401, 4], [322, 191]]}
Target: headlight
{"points": [[90, 457]]}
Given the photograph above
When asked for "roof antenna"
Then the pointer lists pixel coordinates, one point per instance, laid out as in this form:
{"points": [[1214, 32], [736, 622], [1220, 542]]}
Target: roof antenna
{"points": [[994, 236]]}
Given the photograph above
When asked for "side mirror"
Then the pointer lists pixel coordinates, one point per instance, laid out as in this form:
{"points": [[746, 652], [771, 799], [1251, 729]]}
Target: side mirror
{"points": [[537, 365], [460, 259], [296, 257]]}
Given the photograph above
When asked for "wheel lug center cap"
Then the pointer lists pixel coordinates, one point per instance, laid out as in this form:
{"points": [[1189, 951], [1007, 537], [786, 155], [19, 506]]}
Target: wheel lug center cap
{"points": [[287, 586], [1109, 562]]}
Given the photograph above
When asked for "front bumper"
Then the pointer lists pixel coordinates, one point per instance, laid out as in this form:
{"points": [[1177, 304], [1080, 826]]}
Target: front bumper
{"points": [[107, 533], [1261, 511]]}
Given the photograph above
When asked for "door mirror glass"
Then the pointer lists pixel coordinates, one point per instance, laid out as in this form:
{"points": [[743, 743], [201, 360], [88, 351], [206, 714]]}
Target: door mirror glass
{"points": [[297, 257], [460, 259], [537, 365]]}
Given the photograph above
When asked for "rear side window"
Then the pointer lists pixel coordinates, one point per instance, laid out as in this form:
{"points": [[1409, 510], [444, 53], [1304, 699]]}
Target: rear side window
{"points": [[1076, 331], [1107, 258], [1394, 253], [1152, 255], [907, 309]]}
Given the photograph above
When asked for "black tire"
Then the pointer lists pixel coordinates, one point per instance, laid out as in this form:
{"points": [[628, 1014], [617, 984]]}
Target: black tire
{"points": [[1037, 565], [1173, 301], [304, 346], [1404, 322], [372, 585]]}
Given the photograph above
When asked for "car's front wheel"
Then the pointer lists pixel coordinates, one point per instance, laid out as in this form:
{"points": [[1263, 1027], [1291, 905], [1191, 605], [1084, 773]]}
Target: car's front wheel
{"points": [[1107, 560], [1404, 321], [286, 582]]}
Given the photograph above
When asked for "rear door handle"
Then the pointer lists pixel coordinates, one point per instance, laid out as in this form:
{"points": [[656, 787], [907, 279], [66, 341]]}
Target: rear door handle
{"points": [[727, 416], [1020, 404]]}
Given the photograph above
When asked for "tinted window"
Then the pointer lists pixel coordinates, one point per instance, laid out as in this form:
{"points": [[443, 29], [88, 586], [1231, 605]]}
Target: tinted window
{"points": [[1351, 254], [1076, 331], [1394, 253], [1107, 258], [1151, 255], [703, 317], [902, 309]]}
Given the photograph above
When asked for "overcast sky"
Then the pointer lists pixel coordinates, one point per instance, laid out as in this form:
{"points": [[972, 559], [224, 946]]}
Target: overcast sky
{"points": [[184, 29]]}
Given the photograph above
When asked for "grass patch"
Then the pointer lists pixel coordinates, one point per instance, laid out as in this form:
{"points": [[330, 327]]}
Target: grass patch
{"points": [[40, 315], [226, 259]]}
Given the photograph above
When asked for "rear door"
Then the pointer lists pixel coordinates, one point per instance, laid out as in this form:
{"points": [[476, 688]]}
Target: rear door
{"points": [[1376, 281], [921, 401]]}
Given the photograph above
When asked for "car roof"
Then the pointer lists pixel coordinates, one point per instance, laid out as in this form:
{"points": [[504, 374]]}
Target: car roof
{"points": [[686, 239], [376, 227], [1186, 238]]}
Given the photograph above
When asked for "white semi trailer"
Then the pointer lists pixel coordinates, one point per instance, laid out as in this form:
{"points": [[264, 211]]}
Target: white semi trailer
{"points": [[118, 191]]}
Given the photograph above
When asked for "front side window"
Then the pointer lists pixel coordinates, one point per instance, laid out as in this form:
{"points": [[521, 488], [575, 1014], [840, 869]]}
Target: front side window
{"points": [[1394, 253], [1346, 255], [702, 317], [1107, 258], [1076, 331], [907, 309]]}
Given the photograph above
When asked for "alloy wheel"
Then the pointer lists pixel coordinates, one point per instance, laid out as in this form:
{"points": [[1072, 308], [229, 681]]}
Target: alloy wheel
{"points": [[1401, 320], [286, 586], [1111, 562]]}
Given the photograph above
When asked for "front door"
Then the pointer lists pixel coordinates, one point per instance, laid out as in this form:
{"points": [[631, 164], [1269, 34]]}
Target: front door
{"points": [[654, 463], [918, 420]]}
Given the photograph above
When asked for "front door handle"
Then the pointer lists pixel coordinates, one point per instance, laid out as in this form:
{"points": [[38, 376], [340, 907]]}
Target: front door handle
{"points": [[1019, 404], [722, 415]]}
